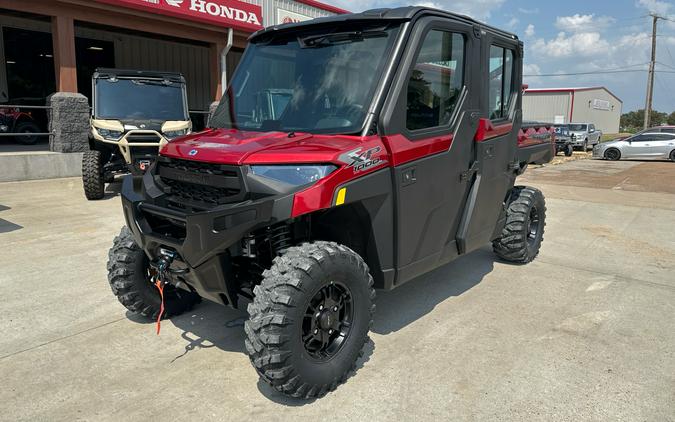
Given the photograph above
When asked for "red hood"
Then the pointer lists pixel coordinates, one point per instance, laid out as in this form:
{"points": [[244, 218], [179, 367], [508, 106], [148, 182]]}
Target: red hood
{"points": [[231, 146]]}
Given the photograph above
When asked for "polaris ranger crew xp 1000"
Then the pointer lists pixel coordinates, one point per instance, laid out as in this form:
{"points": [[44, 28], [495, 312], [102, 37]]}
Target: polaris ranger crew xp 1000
{"points": [[349, 153], [134, 114]]}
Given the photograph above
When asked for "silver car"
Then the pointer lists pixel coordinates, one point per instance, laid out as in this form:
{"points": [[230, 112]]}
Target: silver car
{"points": [[645, 146]]}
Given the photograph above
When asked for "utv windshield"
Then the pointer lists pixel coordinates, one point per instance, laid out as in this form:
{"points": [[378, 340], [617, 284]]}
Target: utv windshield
{"points": [[314, 82], [139, 99]]}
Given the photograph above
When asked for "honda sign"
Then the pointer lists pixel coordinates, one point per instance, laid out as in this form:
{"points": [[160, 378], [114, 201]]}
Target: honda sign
{"points": [[229, 13]]}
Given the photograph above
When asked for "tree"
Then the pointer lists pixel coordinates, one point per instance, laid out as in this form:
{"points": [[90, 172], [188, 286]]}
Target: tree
{"points": [[671, 118], [634, 120]]}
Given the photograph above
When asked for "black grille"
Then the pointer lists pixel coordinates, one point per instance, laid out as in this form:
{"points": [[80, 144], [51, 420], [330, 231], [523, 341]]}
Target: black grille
{"points": [[138, 153], [143, 138], [192, 185], [199, 167]]}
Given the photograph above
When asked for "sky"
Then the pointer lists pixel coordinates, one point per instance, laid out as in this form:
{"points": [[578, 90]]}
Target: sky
{"points": [[575, 36]]}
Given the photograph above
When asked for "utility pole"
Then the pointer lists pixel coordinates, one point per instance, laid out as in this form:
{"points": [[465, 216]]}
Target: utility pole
{"points": [[650, 78]]}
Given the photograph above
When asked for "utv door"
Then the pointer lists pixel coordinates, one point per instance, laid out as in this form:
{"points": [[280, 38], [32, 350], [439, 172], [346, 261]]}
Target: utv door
{"points": [[496, 141], [429, 123]]}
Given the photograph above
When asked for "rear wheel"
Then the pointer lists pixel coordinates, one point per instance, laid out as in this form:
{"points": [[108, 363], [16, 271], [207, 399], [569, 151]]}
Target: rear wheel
{"points": [[310, 318], [613, 154], [672, 155], [523, 232], [27, 128], [130, 276], [92, 175]]}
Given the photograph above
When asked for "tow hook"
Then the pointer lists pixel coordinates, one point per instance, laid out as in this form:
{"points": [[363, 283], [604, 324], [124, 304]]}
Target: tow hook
{"points": [[162, 265]]}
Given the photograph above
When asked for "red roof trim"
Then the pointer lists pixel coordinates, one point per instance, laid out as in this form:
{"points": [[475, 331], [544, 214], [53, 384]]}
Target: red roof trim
{"points": [[591, 88], [323, 6]]}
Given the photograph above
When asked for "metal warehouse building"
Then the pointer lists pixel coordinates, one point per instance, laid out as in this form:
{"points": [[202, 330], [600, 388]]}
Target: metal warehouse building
{"points": [[595, 105]]}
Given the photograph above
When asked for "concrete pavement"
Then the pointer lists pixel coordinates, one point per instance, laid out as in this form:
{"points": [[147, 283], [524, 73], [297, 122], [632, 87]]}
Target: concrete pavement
{"points": [[586, 332]]}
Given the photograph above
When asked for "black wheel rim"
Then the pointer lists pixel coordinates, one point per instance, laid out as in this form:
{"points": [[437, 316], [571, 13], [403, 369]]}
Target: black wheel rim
{"points": [[533, 226], [612, 154], [327, 321]]}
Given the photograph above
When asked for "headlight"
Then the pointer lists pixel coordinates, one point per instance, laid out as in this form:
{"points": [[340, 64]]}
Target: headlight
{"points": [[4, 128], [111, 135], [296, 175], [172, 134]]}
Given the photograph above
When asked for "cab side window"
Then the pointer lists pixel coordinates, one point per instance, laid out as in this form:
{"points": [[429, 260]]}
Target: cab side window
{"points": [[436, 81], [501, 82]]}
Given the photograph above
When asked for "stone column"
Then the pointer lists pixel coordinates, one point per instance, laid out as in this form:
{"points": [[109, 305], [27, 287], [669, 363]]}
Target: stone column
{"points": [[69, 122]]}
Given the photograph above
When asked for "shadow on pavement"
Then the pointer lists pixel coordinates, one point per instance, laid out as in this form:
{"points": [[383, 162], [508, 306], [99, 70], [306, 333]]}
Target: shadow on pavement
{"points": [[212, 325], [112, 190], [406, 304], [8, 226]]}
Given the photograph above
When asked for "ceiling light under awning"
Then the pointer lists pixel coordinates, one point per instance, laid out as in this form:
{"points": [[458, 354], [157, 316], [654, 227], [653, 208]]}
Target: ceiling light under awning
{"points": [[94, 48]]}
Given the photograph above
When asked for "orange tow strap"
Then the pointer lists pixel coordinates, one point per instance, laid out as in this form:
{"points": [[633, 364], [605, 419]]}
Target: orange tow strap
{"points": [[160, 286]]}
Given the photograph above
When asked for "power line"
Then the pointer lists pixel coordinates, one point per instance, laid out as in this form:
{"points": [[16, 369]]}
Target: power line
{"points": [[596, 72], [666, 65], [609, 72]]}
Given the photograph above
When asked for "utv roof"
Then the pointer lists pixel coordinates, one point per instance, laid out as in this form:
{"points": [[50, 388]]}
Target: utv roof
{"points": [[397, 14], [129, 73]]}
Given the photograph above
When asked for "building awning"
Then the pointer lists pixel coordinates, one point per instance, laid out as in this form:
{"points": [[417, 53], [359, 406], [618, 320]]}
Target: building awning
{"points": [[226, 13]]}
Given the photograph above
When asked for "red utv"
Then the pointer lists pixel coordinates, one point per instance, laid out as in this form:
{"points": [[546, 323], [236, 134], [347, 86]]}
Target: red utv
{"points": [[13, 120], [350, 153]]}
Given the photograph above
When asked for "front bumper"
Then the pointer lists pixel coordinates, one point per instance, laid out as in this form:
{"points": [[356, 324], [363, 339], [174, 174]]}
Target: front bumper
{"points": [[204, 241], [561, 146], [136, 145], [598, 151]]}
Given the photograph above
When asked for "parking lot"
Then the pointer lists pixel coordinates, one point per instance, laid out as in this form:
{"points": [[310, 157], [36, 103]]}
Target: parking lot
{"points": [[585, 332]]}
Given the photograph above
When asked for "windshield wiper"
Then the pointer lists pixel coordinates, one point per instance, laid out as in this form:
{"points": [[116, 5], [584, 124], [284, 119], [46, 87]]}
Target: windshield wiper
{"points": [[151, 82], [314, 41]]}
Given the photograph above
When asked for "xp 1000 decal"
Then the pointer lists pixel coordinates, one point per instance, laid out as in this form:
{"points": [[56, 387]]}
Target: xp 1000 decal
{"points": [[360, 159]]}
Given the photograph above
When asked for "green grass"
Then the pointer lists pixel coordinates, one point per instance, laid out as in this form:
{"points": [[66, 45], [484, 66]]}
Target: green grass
{"points": [[609, 136]]}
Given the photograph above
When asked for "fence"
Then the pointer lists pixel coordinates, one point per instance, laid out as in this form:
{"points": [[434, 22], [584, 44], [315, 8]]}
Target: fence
{"points": [[12, 114]]}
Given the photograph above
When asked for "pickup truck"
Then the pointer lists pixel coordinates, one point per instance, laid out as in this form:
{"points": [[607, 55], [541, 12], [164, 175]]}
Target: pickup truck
{"points": [[392, 148], [586, 135]]}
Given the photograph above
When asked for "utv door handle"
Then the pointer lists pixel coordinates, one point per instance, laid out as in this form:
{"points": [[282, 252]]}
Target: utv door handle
{"points": [[408, 177]]}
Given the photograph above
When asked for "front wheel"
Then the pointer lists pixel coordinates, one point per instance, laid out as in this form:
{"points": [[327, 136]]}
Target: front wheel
{"points": [[612, 154], [310, 318], [523, 232], [569, 150], [27, 128], [672, 155], [92, 175], [130, 278]]}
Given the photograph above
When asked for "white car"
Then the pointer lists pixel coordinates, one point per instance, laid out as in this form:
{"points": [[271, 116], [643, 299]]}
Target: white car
{"points": [[646, 146]]}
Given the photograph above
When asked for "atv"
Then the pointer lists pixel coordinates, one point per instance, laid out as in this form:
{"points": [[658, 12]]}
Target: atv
{"points": [[134, 114], [564, 140], [13, 120], [350, 153]]}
